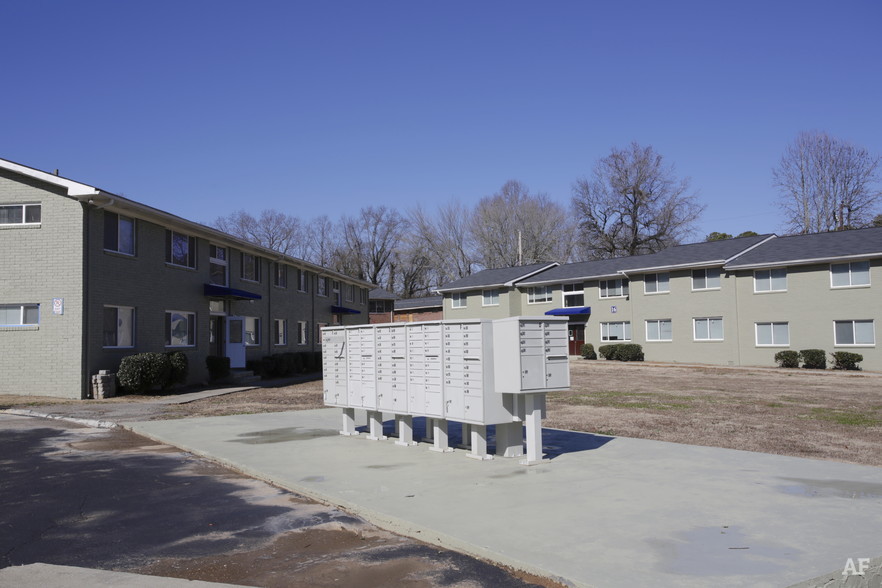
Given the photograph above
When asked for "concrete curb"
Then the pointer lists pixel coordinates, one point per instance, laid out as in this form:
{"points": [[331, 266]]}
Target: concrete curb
{"points": [[55, 417]]}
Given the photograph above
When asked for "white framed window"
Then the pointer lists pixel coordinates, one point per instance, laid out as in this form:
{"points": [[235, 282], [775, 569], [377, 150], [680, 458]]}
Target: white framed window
{"points": [[350, 293], [252, 330], [217, 265], [302, 281], [861, 332], [119, 326], [318, 332], [19, 315], [770, 280], [615, 331], [250, 267], [614, 288], [180, 328], [659, 330], [280, 275], [322, 286], [336, 296], [539, 295], [706, 279], [850, 275], [772, 334], [180, 249], [363, 296], [490, 297], [657, 283], [280, 332], [707, 328], [459, 299], [119, 233], [302, 332], [573, 295], [20, 214]]}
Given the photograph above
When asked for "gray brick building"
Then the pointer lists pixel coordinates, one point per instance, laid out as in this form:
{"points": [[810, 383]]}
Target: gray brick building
{"points": [[88, 277]]}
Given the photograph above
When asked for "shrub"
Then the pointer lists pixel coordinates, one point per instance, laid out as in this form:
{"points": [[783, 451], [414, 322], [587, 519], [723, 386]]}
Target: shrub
{"points": [[813, 359], [629, 352], [180, 367], [141, 372], [844, 360], [787, 359], [218, 367], [607, 351], [588, 351]]}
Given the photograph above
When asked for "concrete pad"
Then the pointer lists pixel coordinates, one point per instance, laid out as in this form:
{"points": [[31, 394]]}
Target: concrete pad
{"points": [[601, 511], [53, 576]]}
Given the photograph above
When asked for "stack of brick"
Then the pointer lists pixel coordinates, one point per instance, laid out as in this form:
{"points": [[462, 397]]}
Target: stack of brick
{"points": [[103, 385]]}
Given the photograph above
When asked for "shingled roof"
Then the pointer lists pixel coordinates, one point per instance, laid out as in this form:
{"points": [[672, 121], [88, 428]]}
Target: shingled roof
{"points": [[814, 248], [490, 278]]}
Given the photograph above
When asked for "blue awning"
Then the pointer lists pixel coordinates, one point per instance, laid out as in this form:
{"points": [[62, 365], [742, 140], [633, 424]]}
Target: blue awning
{"points": [[224, 292], [570, 311], [344, 310]]}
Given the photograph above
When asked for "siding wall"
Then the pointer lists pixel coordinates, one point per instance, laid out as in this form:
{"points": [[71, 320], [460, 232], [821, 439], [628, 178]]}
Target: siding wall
{"points": [[38, 264]]}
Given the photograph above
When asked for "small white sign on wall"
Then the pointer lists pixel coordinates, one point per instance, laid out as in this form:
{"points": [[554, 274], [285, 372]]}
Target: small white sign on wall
{"points": [[58, 306]]}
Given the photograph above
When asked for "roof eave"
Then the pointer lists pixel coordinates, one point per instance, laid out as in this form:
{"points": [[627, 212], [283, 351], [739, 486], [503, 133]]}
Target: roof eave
{"points": [[807, 261]]}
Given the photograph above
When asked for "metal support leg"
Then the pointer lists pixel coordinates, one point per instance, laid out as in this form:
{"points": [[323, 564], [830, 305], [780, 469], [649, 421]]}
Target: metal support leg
{"points": [[510, 439], [533, 420], [441, 441], [479, 443], [375, 424], [405, 429], [349, 422]]}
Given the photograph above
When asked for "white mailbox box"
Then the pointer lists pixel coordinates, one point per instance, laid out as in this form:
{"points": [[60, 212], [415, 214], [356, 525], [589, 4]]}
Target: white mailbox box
{"points": [[477, 372]]}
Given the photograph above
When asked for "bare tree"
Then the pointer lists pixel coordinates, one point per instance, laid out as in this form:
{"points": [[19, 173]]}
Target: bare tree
{"points": [[272, 229], [633, 204], [826, 184], [369, 242], [514, 227], [322, 239], [445, 238]]}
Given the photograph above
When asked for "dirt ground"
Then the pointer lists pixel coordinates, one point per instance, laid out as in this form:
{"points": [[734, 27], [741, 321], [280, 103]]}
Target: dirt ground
{"points": [[803, 413]]}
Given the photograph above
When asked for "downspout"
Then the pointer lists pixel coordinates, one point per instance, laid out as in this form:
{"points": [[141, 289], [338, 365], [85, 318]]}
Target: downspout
{"points": [[737, 320], [84, 330], [630, 305]]}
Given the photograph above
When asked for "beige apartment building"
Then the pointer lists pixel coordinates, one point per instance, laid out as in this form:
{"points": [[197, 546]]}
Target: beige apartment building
{"points": [[732, 302]]}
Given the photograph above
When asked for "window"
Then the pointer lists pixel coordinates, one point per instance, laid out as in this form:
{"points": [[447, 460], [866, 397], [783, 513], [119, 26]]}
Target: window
{"points": [[659, 330], [656, 283], [774, 334], [302, 332], [180, 249], [280, 332], [708, 329], [379, 306], [613, 288], [322, 286], [363, 296], [280, 275], [350, 293], [119, 233], [180, 328], [620, 331], [773, 280], [854, 332], [252, 330], [250, 267], [20, 214], [119, 326], [217, 265], [539, 295], [847, 275], [459, 299], [706, 279], [18, 315], [302, 281], [335, 293], [491, 297], [573, 295], [318, 331]]}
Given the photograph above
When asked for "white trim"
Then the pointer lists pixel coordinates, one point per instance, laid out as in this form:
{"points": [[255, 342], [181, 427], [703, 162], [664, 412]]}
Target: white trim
{"points": [[708, 318], [646, 329], [756, 325], [810, 261], [770, 290], [484, 298], [850, 285], [623, 323], [853, 321]]}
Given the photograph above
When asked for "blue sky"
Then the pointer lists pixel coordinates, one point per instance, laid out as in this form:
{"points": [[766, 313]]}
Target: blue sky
{"points": [[204, 107]]}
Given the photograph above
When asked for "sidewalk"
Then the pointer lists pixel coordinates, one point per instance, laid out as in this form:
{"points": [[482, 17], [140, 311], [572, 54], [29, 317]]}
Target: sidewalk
{"points": [[602, 511]]}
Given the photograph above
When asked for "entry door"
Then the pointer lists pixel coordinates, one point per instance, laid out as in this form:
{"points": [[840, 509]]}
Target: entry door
{"points": [[577, 339], [236, 341]]}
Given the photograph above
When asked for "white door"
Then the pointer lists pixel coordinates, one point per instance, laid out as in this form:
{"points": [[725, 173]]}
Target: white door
{"points": [[236, 341]]}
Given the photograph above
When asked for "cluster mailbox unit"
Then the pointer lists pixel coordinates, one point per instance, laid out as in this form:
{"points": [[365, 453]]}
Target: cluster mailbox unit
{"points": [[476, 372]]}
